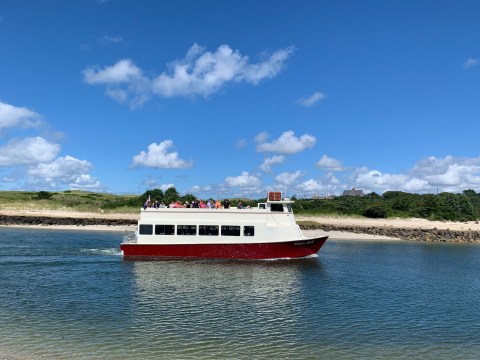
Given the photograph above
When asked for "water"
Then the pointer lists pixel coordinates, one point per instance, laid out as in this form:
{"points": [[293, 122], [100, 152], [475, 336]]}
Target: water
{"points": [[69, 295]]}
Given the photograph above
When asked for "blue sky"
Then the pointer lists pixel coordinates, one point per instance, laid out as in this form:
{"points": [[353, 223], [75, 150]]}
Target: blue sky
{"points": [[222, 98]]}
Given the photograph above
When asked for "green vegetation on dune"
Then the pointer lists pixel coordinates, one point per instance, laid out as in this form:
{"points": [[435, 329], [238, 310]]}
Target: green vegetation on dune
{"points": [[82, 201], [444, 206]]}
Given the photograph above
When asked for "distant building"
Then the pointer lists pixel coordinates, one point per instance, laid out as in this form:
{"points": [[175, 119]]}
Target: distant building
{"points": [[353, 192]]}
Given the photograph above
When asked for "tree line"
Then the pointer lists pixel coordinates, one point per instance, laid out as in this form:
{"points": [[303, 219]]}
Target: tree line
{"points": [[464, 206]]}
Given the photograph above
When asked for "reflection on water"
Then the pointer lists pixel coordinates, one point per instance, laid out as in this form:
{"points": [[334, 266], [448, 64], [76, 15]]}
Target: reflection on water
{"points": [[68, 295], [222, 307]]}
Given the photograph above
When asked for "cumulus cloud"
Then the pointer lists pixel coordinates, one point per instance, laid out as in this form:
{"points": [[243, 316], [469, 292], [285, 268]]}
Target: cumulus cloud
{"points": [[286, 144], [123, 71], [203, 72], [124, 82], [26, 151], [312, 99], [449, 173], [311, 186], [65, 171], [469, 63], [200, 72], [33, 160], [244, 180], [288, 178], [67, 167], [329, 164], [12, 116], [86, 182], [374, 179], [157, 156], [270, 161]]}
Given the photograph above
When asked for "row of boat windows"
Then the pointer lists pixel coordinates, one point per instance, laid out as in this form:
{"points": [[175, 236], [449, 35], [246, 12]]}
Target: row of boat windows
{"points": [[205, 230]]}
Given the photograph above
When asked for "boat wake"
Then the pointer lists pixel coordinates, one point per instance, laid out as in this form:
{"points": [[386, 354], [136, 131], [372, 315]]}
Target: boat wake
{"points": [[289, 258], [130, 238], [103, 252]]}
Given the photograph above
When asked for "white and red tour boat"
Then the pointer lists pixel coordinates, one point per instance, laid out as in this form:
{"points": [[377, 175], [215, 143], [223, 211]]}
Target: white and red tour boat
{"points": [[268, 231]]}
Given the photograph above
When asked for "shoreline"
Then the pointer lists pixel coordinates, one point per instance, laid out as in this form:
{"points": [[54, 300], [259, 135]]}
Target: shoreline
{"points": [[337, 228]]}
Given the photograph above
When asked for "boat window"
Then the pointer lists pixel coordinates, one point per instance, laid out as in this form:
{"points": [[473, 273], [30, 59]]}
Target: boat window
{"points": [[146, 229], [277, 207], [164, 229], [248, 230], [261, 206], [208, 230], [289, 207], [230, 230], [186, 229]]}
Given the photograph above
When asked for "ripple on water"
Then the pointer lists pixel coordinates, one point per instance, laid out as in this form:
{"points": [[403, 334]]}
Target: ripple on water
{"points": [[70, 296]]}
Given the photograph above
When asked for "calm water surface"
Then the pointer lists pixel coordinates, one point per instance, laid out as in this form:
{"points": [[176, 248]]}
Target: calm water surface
{"points": [[69, 295]]}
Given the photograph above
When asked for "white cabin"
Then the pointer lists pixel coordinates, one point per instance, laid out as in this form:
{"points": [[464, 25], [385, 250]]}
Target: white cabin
{"points": [[272, 221]]}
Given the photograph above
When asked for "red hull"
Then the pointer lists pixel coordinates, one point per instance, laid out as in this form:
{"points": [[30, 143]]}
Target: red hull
{"points": [[291, 249]]}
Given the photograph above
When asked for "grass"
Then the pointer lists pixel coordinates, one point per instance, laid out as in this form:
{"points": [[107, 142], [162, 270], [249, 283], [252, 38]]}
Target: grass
{"points": [[81, 201]]}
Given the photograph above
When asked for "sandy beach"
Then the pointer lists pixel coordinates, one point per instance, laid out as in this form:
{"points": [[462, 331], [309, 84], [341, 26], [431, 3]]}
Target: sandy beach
{"points": [[324, 220], [411, 223]]}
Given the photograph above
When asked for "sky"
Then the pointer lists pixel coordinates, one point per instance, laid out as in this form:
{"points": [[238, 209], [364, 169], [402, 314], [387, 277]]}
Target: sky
{"points": [[235, 98]]}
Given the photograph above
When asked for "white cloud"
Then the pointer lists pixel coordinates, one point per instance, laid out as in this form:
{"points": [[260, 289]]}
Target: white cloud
{"points": [[12, 116], [327, 185], [157, 156], [312, 100], [201, 73], [416, 185], [288, 178], [26, 151], [332, 179], [469, 63], [244, 180], [451, 174], [287, 143], [374, 180], [165, 187], [64, 172], [329, 164], [33, 160], [68, 168], [311, 186], [123, 71], [269, 162], [86, 182]]}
